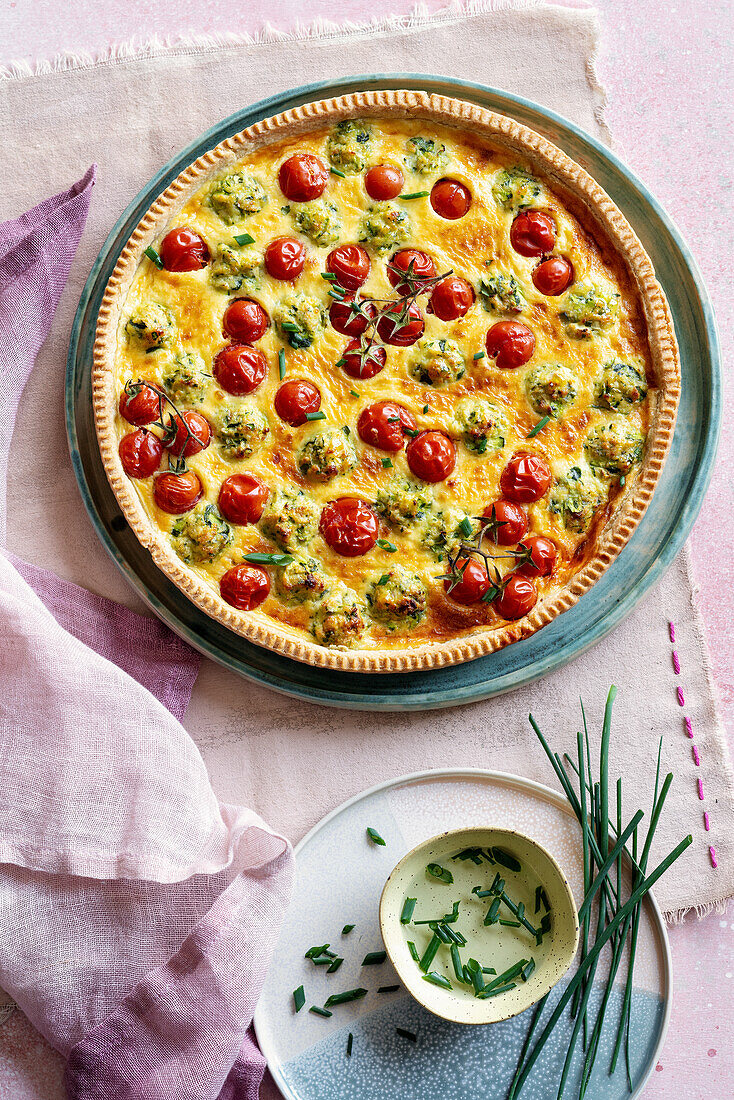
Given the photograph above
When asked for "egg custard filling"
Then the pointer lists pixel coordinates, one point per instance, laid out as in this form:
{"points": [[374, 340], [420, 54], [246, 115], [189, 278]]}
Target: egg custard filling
{"points": [[379, 384]]}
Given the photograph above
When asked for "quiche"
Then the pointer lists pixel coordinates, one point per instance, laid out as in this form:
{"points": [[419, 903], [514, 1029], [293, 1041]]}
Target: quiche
{"points": [[385, 382]]}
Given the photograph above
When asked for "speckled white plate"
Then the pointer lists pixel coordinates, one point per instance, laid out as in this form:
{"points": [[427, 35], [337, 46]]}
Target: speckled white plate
{"points": [[339, 879]]}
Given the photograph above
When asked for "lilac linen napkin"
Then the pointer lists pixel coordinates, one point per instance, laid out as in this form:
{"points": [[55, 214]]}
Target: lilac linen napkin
{"points": [[139, 913]]}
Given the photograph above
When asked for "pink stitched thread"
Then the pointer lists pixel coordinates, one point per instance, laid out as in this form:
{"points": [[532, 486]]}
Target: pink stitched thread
{"points": [[712, 853], [706, 822], [689, 728], [696, 757], [671, 631], [681, 700], [700, 789], [676, 663]]}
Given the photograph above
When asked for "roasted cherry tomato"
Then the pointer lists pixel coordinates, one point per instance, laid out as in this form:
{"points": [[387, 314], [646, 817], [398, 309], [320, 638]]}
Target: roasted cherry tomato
{"points": [[451, 298], [553, 275], [242, 498], [517, 598], [525, 478], [368, 366], [542, 557], [295, 398], [510, 522], [473, 584], [245, 320], [533, 232], [349, 526], [405, 334], [177, 493], [423, 268], [303, 177], [384, 181], [239, 369], [142, 408], [381, 425], [510, 344], [431, 456], [450, 199], [285, 259], [140, 453], [351, 265], [347, 320], [187, 433], [244, 586], [184, 250]]}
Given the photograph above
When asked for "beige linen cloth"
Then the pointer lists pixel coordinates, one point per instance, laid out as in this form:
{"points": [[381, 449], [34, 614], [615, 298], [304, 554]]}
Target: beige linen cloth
{"points": [[290, 760]]}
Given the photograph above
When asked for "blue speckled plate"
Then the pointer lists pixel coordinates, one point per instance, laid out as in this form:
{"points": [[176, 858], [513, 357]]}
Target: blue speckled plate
{"points": [[339, 878], [652, 548]]}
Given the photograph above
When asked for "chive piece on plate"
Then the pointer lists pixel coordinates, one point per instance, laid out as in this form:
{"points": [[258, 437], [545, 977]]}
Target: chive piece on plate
{"points": [[537, 898], [299, 998], [415, 195], [320, 1011], [479, 355], [527, 969], [244, 238], [437, 871], [437, 979], [281, 364], [345, 997], [407, 1034], [430, 953], [388, 989], [413, 951], [388, 546], [314, 952], [375, 837], [453, 916], [374, 958], [475, 976], [511, 923], [488, 970], [456, 960], [350, 1042], [441, 932], [493, 911], [153, 256], [335, 965], [410, 903], [538, 427], [347, 929], [506, 860], [316, 415], [544, 899], [323, 960]]}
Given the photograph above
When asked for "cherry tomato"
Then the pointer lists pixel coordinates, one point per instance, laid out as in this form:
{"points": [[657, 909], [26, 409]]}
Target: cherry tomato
{"points": [[381, 425], [242, 498], [517, 598], [245, 320], [285, 259], [384, 181], [303, 177], [473, 584], [553, 275], [510, 344], [349, 526], [431, 456], [451, 298], [294, 399], [450, 199], [184, 250], [542, 557], [177, 493], [423, 268], [244, 586], [354, 365], [198, 440], [142, 408], [346, 321], [525, 478], [351, 265], [532, 233], [511, 522], [401, 335], [140, 453], [239, 369]]}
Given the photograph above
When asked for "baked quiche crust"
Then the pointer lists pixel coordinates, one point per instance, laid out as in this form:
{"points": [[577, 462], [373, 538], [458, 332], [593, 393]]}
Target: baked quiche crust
{"points": [[594, 211]]}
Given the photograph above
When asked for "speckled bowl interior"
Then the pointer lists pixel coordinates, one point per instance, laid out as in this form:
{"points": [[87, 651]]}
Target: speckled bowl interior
{"points": [[563, 936]]}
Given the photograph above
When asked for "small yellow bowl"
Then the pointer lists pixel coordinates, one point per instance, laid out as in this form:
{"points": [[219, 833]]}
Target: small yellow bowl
{"points": [[410, 879]]}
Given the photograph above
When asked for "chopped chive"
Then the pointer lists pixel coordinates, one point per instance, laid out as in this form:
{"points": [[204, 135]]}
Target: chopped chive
{"points": [[335, 965], [498, 884], [537, 898], [466, 530], [337, 293], [482, 893], [507, 975], [410, 903], [407, 1034], [316, 415], [493, 911], [269, 559], [281, 364], [354, 393], [376, 838], [538, 427], [314, 952], [430, 953], [388, 989], [454, 937], [320, 1011], [415, 195], [479, 355], [299, 998], [437, 871], [442, 933], [511, 923], [437, 979], [453, 916], [488, 970], [244, 238], [323, 960], [388, 546], [152, 255], [545, 924], [496, 992], [506, 860], [413, 951], [425, 409], [374, 958], [336, 172], [458, 967], [288, 326], [345, 997], [475, 976], [527, 969], [387, 463], [347, 929], [329, 276], [350, 1042], [383, 580]]}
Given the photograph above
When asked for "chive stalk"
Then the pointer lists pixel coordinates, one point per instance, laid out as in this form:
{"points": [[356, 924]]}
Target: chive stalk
{"points": [[346, 997], [408, 909], [376, 838], [374, 958], [299, 998]]}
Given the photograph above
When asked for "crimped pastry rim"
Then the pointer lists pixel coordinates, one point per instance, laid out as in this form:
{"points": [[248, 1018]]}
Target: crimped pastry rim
{"points": [[259, 628]]}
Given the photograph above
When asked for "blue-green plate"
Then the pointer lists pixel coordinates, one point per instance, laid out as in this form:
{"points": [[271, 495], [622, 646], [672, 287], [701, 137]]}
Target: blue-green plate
{"points": [[655, 543]]}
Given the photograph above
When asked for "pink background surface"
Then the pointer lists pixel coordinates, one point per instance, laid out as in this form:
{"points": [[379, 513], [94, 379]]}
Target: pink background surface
{"points": [[667, 69]]}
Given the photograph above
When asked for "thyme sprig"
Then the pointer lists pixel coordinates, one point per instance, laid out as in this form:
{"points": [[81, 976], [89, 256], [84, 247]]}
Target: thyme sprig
{"points": [[169, 427]]}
